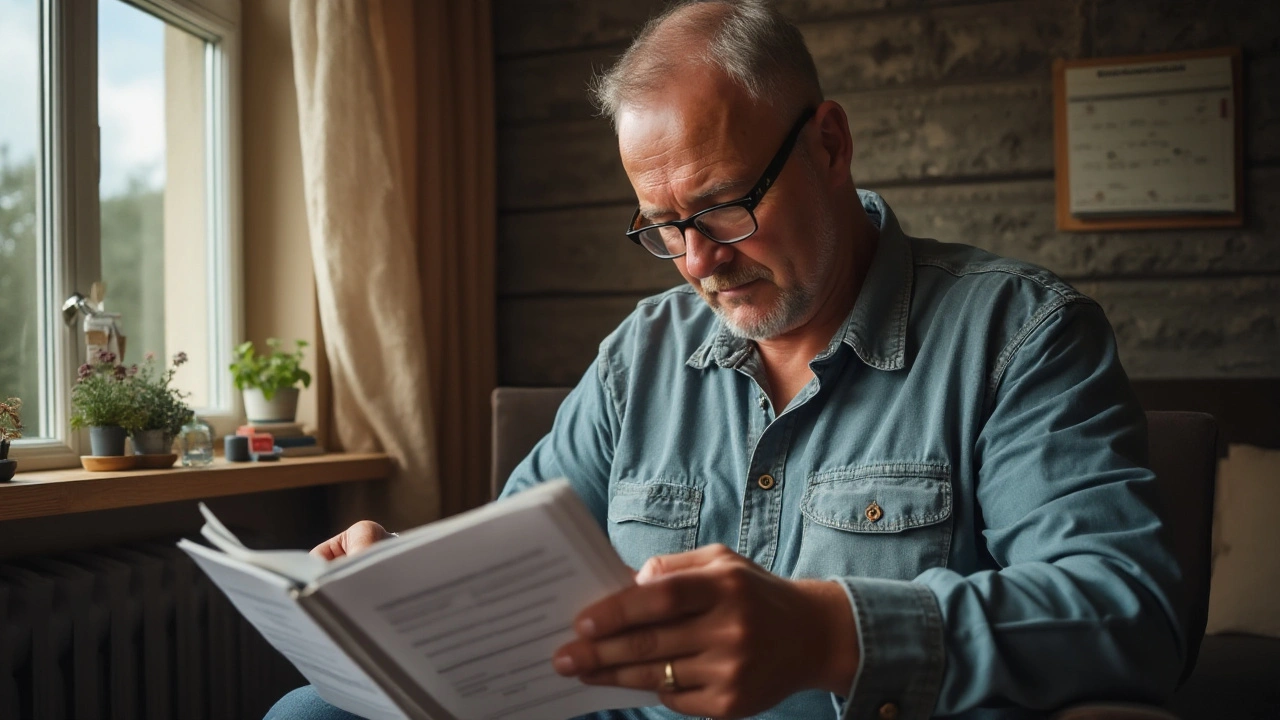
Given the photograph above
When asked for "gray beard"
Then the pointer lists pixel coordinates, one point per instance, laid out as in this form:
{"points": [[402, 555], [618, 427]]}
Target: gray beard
{"points": [[793, 305]]}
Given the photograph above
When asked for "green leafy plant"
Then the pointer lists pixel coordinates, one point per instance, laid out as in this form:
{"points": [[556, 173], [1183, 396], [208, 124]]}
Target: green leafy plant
{"points": [[104, 395], [272, 372], [11, 419], [163, 406]]}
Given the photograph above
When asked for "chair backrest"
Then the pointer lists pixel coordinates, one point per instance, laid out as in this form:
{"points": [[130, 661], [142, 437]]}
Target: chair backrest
{"points": [[521, 416], [1183, 452]]}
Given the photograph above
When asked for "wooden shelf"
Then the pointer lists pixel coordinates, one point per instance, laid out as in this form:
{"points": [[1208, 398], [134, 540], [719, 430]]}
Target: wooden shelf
{"points": [[60, 492]]}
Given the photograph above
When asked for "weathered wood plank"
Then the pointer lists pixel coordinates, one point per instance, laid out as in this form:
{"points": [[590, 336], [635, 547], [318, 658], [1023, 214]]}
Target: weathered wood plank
{"points": [[1125, 27], [524, 26], [1262, 103], [962, 44], [1223, 327], [954, 45], [949, 132], [584, 251], [566, 164], [539, 26], [580, 250], [1017, 220], [548, 87], [552, 341]]}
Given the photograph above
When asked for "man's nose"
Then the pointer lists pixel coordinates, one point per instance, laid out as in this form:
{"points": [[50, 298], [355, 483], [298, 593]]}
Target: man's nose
{"points": [[703, 256]]}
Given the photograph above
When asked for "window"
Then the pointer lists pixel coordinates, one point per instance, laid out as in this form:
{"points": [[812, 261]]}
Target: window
{"points": [[116, 165]]}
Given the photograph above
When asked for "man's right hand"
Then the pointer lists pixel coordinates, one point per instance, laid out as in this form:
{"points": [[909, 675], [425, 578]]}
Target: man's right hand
{"points": [[351, 541]]}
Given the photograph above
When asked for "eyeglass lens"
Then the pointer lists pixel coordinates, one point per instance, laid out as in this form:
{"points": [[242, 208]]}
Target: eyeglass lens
{"points": [[723, 225]]}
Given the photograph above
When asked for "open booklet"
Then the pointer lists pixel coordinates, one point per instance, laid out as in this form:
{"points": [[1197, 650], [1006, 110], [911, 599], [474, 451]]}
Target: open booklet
{"points": [[453, 620]]}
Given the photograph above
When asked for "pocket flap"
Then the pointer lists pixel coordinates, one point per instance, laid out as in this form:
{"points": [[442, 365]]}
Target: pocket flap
{"points": [[656, 503], [905, 496]]}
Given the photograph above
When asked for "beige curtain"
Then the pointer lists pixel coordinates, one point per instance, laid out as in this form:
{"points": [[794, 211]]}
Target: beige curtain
{"points": [[399, 192]]}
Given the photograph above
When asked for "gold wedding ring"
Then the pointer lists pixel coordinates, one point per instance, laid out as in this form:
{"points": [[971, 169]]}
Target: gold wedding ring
{"points": [[669, 679]]}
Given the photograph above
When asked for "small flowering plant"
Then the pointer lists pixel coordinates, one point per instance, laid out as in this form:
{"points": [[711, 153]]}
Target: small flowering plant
{"points": [[11, 419], [103, 395], [163, 406]]}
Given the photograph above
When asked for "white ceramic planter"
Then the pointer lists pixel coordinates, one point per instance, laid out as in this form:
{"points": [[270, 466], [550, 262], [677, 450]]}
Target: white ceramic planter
{"points": [[282, 407]]}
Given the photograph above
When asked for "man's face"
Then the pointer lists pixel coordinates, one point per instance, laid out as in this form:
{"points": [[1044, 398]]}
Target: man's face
{"points": [[706, 143]]}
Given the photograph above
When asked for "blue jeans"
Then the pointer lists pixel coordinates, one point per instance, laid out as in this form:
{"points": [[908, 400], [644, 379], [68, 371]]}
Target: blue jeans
{"points": [[305, 704]]}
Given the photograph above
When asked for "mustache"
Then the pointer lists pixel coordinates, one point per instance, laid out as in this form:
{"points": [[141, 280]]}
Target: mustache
{"points": [[733, 277]]}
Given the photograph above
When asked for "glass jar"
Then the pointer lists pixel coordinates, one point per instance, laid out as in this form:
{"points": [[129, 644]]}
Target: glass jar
{"points": [[196, 441]]}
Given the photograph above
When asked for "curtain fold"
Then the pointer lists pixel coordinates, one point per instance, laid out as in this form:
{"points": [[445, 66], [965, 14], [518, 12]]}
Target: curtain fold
{"points": [[396, 117]]}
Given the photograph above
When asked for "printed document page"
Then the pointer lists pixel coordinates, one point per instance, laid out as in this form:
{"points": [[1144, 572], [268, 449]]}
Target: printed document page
{"points": [[265, 599], [473, 612]]}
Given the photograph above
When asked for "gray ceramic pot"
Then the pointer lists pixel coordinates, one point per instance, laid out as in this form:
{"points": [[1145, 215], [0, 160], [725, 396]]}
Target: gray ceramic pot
{"points": [[152, 442], [7, 469], [106, 440]]}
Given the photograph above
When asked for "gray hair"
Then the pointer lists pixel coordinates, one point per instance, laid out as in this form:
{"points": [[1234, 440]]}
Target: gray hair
{"points": [[747, 40]]}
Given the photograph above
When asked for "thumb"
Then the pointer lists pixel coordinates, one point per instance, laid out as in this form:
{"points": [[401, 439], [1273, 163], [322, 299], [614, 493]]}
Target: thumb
{"points": [[661, 565]]}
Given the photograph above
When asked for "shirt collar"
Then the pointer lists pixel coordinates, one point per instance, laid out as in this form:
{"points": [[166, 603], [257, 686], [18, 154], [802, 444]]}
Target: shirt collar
{"points": [[876, 327]]}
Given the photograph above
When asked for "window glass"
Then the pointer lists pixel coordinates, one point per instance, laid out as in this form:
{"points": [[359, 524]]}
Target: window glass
{"points": [[154, 192], [20, 257]]}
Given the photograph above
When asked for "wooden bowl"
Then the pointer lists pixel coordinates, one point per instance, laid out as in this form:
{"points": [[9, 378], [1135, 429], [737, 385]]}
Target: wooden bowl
{"points": [[108, 463], [156, 462]]}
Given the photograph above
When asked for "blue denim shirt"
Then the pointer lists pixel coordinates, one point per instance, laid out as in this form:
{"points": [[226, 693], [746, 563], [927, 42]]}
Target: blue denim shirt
{"points": [[968, 462]]}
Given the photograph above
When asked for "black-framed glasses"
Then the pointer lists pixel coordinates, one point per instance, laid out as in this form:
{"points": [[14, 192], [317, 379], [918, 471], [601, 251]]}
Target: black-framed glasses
{"points": [[726, 223]]}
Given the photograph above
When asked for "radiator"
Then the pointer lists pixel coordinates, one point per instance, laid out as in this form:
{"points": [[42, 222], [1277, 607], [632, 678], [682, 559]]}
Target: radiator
{"points": [[132, 632]]}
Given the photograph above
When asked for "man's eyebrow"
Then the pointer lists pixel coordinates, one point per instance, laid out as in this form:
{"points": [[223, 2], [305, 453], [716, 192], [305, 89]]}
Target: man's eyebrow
{"points": [[717, 190]]}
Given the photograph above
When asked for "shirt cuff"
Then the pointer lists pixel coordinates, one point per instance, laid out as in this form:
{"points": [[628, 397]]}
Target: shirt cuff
{"points": [[902, 652]]}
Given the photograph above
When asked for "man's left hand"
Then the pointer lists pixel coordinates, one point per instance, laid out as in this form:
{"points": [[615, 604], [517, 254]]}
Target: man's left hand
{"points": [[739, 639]]}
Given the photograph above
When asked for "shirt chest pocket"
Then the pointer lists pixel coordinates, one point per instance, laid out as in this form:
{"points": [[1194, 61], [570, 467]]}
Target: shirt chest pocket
{"points": [[653, 518], [889, 520]]}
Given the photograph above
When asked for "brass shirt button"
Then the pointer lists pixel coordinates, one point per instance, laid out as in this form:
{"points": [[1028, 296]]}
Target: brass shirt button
{"points": [[888, 711], [765, 482], [873, 514]]}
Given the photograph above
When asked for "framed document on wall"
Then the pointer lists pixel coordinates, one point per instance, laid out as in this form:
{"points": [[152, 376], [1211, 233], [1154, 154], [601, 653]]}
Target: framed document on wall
{"points": [[1149, 142]]}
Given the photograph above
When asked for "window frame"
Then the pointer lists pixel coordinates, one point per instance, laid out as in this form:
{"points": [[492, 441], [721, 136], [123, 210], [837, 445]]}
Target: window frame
{"points": [[68, 223]]}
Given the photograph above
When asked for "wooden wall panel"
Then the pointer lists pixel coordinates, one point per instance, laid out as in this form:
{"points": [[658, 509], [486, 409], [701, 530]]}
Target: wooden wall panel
{"points": [[950, 110], [552, 341], [1221, 327], [584, 250]]}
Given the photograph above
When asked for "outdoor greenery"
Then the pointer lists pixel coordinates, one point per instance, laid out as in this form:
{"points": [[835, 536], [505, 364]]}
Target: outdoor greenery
{"points": [[132, 225], [105, 395], [162, 404]]}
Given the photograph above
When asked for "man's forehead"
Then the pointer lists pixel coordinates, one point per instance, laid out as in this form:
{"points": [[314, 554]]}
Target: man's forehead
{"points": [[673, 155]]}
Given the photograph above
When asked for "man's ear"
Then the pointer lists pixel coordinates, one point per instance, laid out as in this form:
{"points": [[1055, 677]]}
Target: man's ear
{"points": [[833, 134]]}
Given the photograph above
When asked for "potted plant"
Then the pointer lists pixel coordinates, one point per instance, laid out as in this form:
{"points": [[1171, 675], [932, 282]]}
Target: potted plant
{"points": [[269, 381], [103, 401], [163, 410], [10, 429]]}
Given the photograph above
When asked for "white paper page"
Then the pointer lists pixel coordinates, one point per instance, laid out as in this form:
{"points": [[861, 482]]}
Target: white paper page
{"points": [[474, 616], [297, 565], [1152, 137], [265, 600]]}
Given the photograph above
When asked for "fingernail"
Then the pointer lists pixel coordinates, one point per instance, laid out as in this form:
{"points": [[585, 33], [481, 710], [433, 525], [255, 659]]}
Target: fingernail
{"points": [[563, 664], [587, 627]]}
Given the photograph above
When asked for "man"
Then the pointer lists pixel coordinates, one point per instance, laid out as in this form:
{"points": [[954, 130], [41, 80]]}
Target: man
{"points": [[862, 475]]}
